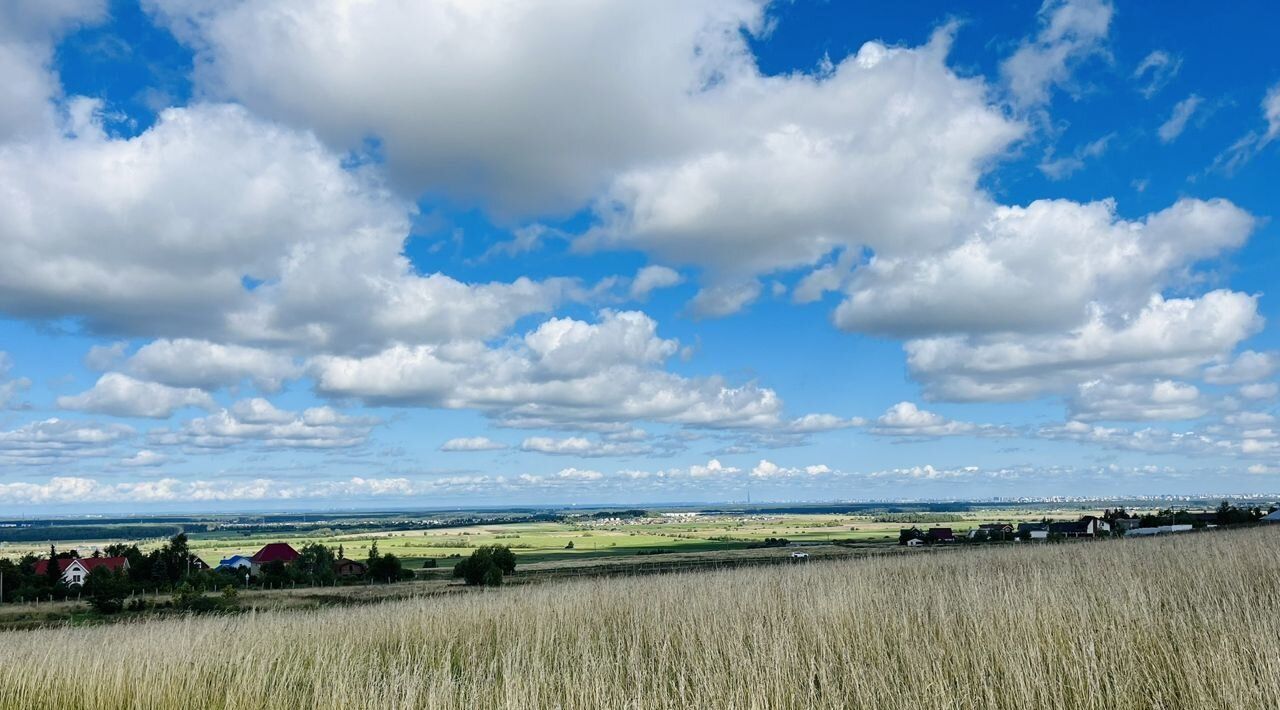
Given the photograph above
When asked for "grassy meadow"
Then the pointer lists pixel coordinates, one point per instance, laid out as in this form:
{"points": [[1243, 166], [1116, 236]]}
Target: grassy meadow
{"points": [[1180, 622]]}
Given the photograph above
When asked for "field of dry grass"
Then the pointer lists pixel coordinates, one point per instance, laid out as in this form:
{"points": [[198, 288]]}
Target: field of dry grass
{"points": [[1191, 622]]}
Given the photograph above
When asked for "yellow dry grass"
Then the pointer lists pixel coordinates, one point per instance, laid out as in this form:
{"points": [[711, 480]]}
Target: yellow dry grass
{"points": [[1192, 622]]}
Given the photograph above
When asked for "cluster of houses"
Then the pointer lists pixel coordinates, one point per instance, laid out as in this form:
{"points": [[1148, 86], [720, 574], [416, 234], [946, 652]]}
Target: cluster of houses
{"points": [[284, 553], [1086, 526]]}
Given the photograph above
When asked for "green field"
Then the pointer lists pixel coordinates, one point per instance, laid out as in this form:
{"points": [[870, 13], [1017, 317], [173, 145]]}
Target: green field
{"points": [[549, 542]]}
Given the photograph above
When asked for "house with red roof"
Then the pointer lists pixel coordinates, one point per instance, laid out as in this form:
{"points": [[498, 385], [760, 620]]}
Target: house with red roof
{"points": [[273, 552], [75, 571]]}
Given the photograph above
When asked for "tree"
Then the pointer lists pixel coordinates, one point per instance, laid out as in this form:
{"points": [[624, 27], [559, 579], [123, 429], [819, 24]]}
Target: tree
{"points": [[52, 574], [1111, 516], [172, 562], [106, 590], [486, 565], [316, 563], [275, 573], [387, 568]]}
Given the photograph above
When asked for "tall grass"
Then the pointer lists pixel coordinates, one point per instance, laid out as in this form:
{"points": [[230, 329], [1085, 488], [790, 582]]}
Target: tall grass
{"points": [[1192, 622]]}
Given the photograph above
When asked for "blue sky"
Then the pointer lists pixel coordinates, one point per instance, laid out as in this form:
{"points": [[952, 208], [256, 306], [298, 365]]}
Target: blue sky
{"points": [[313, 254]]}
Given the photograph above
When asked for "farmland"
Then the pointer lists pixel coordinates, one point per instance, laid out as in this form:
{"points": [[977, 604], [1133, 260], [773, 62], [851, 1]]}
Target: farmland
{"points": [[1161, 623], [548, 542]]}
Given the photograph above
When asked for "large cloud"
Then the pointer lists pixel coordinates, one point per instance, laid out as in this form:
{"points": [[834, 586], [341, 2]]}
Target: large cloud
{"points": [[565, 373], [258, 422], [655, 110], [58, 441], [217, 224], [1128, 401], [184, 362], [124, 396], [1039, 267], [527, 107], [1166, 338], [883, 150]]}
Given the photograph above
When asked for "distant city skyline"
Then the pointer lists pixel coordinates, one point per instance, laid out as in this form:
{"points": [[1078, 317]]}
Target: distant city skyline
{"points": [[278, 255]]}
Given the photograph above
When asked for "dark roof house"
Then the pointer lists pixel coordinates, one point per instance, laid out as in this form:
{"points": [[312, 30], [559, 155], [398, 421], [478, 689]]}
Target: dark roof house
{"points": [[275, 552], [1079, 528], [939, 535], [1087, 526]]}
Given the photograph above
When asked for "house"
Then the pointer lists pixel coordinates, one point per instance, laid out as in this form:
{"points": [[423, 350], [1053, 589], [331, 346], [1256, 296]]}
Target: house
{"points": [[76, 571], [992, 531], [273, 552], [1100, 525], [1272, 517], [236, 562], [939, 535], [1087, 526], [1076, 529], [1033, 531], [349, 568], [198, 565]]}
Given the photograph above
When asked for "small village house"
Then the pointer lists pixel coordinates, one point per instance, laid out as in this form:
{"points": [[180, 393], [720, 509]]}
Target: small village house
{"points": [[1033, 531], [992, 531], [349, 568], [75, 571], [939, 535], [236, 562], [273, 552], [1087, 526]]}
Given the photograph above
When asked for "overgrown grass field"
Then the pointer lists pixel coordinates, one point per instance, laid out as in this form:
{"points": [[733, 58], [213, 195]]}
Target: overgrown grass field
{"points": [[1187, 622]]}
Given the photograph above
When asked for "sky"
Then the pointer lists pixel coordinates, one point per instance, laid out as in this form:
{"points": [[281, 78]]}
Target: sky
{"points": [[292, 254]]}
